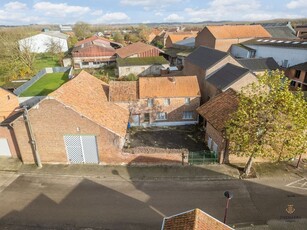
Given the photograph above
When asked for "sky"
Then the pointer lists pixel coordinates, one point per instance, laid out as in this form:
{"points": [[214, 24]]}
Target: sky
{"points": [[25, 12]]}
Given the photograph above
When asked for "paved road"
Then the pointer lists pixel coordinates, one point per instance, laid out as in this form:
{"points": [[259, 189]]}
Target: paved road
{"points": [[67, 202]]}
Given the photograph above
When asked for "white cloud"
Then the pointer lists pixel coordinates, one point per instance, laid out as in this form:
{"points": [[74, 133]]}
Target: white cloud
{"points": [[157, 3], [297, 4], [60, 9], [159, 14], [97, 13], [173, 18], [15, 6], [113, 17]]}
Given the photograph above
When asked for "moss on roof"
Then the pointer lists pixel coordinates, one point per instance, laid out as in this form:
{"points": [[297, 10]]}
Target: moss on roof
{"points": [[158, 60]]}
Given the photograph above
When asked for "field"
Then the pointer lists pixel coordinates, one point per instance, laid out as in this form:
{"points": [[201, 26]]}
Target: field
{"points": [[47, 84]]}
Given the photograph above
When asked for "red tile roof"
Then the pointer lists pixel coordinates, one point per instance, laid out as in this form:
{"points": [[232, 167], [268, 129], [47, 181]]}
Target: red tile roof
{"points": [[136, 48], [88, 96], [218, 109], [238, 31], [93, 51], [123, 91], [174, 86], [179, 36], [95, 38], [193, 220]]}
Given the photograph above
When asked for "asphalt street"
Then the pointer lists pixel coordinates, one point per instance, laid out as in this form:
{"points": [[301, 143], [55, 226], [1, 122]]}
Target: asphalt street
{"points": [[29, 201]]}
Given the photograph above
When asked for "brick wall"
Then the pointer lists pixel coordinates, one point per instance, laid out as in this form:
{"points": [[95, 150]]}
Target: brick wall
{"points": [[174, 110], [50, 121], [8, 103], [225, 44], [205, 38], [244, 81]]}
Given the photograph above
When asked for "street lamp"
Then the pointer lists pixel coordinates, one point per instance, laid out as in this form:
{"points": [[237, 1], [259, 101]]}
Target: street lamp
{"points": [[228, 195]]}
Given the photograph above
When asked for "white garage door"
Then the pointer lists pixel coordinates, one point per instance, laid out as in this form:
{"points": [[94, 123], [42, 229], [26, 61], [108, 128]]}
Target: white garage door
{"points": [[4, 148], [81, 149]]}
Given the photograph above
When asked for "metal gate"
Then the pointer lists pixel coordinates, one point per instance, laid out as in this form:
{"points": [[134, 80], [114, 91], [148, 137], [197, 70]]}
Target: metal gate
{"points": [[81, 149], [202, 157], [4, 148]]}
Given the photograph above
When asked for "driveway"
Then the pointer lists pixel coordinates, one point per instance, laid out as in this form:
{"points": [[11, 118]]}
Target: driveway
{"points": [[178, 137]]}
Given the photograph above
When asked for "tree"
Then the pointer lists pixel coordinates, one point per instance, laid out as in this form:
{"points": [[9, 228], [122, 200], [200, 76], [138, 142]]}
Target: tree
{"points": [[131, 37], [270, 121], [82, 30], [118, 37], [144, 32]]}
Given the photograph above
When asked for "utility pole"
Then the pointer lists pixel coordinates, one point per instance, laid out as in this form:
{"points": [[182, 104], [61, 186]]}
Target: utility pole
{"points": [[32, 139]]}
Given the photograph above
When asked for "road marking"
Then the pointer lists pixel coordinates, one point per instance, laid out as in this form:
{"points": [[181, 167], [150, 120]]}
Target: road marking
{"points": [[157, 211], [300, 184]]}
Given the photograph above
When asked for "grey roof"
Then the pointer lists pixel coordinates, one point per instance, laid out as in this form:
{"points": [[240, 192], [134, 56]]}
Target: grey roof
{"points": [[258, 64], [301, 66], [57, 34], [281, 32], [206, 57], [244, 47], [225, 76], [188, 42], [11, 119], [277, 42]]}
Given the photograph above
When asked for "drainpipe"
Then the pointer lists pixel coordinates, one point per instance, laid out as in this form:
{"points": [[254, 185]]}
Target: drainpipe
{"points": [[32, 139]]}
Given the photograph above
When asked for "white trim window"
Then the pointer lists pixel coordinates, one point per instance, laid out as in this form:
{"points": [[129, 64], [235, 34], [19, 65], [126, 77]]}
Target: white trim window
{"points": [[150, 102], [161, 116], [167, 101], [187, 115], [187, 100]]}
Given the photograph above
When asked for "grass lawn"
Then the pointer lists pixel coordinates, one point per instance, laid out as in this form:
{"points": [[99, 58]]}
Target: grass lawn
{"points": [[45, 60], [47, 84]]}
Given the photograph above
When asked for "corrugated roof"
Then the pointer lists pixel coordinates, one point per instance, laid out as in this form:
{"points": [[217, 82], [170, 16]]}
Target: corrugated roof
{"points": [[277, 42], [281, 32], [135, 48], [217, 110], [157, 60], [259, 64], [88, 96], [238, 31], [57, 34], [226, 75], [301, 66], [194, 219], [174, 86], [123, 91], [206, 57], [94, 38]]}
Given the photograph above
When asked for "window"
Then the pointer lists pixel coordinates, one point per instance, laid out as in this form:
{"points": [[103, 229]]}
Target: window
{"points": [[292, 83], [285, 63], [150, 102], [187, 115], [85, 63], [297, 74], [146, 117], [161, 116], [299, 85], [187, 100], [167, 101]]}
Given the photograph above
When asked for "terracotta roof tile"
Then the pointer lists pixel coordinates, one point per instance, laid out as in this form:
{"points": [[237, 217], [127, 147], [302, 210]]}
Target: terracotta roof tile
{"points": [[238, 31], [88, 96], [193, 220], [93, 51], [121, 91], [217, 110], [175, 86], [94, 38], [135, 48], [179, 36]]}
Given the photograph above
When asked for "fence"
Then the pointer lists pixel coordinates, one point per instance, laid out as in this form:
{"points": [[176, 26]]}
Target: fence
{"points": [[202, 157], [38, 76]]}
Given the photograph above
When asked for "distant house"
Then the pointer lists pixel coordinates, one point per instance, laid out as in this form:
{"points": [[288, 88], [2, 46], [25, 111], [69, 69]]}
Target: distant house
{"points": [[138, 49], [298, 76], [173, 38], [65, 28], [153, 34], [228, 76], [203, 61], [280, 30], [43, 42], [146, 66], [222, 37], [158, 101], [216, 113], [195, 219], [286, 52], [301, 31], [259, 65], [75, 124], [8, 104], [94, 52]]}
